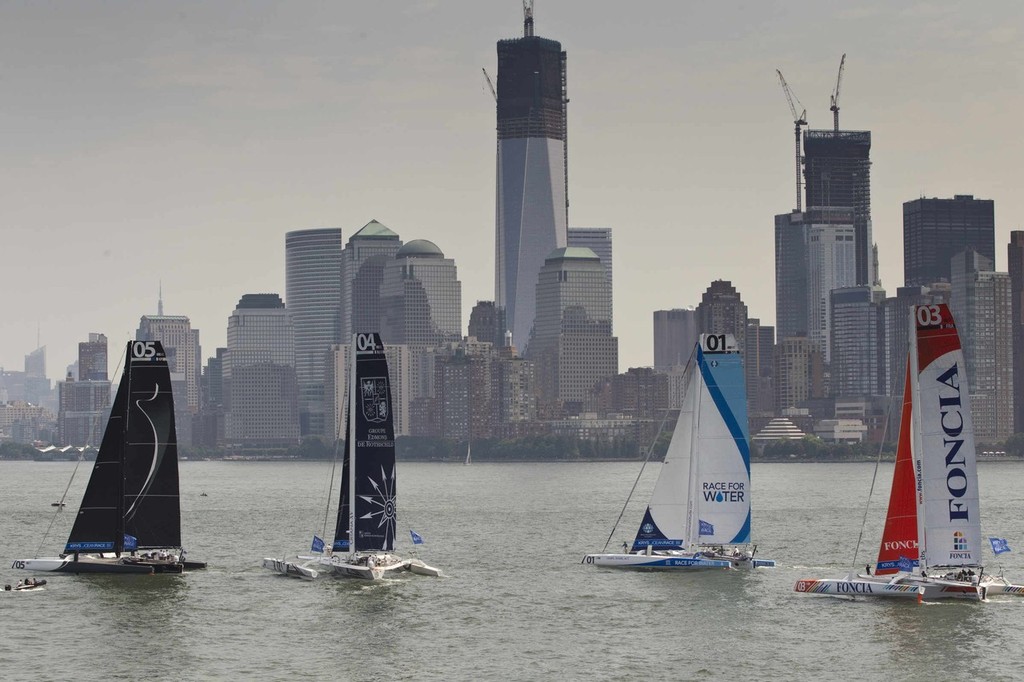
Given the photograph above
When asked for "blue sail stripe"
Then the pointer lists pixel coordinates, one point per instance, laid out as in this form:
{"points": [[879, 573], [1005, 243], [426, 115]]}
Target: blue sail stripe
{"points": [[733, 424]]}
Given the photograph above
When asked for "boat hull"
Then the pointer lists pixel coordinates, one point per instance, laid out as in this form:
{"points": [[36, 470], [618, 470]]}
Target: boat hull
{"points": [[655, 562], [922, 589], [85, 564], [996, 586], [290, 569]]}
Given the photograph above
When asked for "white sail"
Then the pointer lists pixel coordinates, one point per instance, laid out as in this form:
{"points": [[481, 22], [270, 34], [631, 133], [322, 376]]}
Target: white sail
{"points": [[665, 522], [720, 508], [949, 515]]}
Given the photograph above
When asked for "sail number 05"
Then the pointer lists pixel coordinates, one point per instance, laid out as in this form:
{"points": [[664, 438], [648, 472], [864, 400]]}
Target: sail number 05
{"points": [[143, 349], [928, 315]]}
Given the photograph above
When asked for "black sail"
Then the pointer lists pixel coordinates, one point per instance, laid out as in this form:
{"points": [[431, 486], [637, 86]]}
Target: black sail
{"points": [[152, 511], [373, 449], [341, 541], [97, 526], [132, 496]]}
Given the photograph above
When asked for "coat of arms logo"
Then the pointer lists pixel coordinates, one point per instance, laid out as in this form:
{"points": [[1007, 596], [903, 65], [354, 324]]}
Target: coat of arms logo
{"points": [[374, 392]]}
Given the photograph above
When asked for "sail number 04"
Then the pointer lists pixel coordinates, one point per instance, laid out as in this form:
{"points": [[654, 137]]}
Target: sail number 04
{"points": [[366, 342], [928, 315]]}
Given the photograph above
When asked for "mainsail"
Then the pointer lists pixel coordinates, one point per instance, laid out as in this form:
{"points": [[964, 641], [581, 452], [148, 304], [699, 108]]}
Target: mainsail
{"points": [[949, 518], [132, 500], [899, 538], [367, 511]]}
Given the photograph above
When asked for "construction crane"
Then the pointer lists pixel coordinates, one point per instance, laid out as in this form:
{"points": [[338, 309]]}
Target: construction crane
{"points": [[527, 18], [490, 85], [798, 120], [835, 94]]}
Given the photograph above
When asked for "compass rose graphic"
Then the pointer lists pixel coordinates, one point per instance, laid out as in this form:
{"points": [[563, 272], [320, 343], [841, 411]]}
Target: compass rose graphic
{"points": [[383, 509]]}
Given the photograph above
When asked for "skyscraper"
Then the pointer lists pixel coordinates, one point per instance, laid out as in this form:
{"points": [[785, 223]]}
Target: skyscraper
{"points": [[259, 373], [934, 230], [1015, 264], [420, 296], [837, 173], [598, 240], [181, 343], [531, 204], [722, 311], [981, 305], [92, 358], [858, 342], [363, 260], [791, 275], [831, 264], [487, 323], [675, 334], [572, 341], [313, 295]]}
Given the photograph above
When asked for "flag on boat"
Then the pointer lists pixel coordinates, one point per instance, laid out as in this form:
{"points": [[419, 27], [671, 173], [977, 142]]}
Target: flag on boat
{"points": [[706, 528], [904, 564], [417, 539], [999, 545], [131, 543], [318, 544]]}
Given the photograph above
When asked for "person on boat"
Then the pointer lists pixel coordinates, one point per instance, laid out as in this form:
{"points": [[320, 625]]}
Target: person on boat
{"points": [[867, 569], [625, 548], [21, 584], [7, 588]]}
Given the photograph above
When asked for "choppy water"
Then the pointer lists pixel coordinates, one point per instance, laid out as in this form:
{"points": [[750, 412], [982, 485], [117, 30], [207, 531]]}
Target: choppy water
{"points": [[515, 604]]}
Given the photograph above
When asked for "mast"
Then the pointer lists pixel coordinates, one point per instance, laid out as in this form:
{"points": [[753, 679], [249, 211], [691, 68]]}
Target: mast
{"points": [[350, 445], [697, 386], [126, 376], [915, 436]]}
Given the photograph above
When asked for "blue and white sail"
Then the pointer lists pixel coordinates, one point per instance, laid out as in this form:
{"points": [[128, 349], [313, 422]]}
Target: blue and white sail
{"points": [[702, 496]]}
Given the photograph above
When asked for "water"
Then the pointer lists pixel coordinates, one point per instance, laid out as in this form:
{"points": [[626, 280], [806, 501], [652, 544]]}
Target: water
{"points": [[515, 603]]}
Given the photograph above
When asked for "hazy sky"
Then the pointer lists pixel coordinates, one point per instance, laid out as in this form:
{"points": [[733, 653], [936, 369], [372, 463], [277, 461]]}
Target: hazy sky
{"points": [[179, 141]]}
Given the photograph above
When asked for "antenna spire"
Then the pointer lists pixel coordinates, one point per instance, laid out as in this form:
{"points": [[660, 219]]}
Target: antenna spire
{"points": [[160, 301], [527, 18]]}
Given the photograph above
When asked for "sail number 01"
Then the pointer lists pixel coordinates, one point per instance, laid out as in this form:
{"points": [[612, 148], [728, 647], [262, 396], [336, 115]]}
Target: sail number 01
{"points": [[928, 315], [714, 342]]}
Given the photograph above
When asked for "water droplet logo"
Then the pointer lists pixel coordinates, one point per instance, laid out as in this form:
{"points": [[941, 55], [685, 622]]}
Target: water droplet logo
{"points": [[719, 497]]}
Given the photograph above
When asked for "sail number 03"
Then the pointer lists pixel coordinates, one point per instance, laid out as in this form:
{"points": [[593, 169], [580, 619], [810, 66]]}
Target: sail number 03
{"points": [[928, 315]]}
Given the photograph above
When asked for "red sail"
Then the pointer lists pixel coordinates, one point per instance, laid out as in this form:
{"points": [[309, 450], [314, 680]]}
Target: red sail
{"points": [[899, 539]]}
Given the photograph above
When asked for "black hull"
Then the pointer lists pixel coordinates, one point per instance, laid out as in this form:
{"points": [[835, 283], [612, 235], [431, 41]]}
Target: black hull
{"points": [[105, 567], [194, 565]]}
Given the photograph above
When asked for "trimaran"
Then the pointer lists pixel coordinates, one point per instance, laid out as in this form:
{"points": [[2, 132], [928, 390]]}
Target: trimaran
{"points": [[931, 543], [364, 537], [699, 513]]}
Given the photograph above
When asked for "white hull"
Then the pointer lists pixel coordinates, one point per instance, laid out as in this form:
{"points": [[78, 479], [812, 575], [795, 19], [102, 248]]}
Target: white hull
{"points": [[290, 569], [656, 561], [995, 585], [100, 563], [900, 587]]}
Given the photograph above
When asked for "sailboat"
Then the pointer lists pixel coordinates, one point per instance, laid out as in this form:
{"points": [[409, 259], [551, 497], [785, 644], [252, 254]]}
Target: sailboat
{"points": [[130, 517], [931, 542], [698, 516], [364, 537]]}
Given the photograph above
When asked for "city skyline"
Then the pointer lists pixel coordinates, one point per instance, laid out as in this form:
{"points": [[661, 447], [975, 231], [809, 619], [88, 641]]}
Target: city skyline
{"points": [[180, 143]]}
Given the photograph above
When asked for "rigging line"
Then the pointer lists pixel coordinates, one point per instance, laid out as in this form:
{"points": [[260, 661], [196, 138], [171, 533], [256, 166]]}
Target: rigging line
{"points": [[78, 463], [650, 451], [874, 476], [688, 368], [334, 467]]}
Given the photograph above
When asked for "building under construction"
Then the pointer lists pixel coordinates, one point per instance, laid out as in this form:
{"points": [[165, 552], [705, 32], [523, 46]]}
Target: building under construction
{"points": [[837, 174], [531, 204]]}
